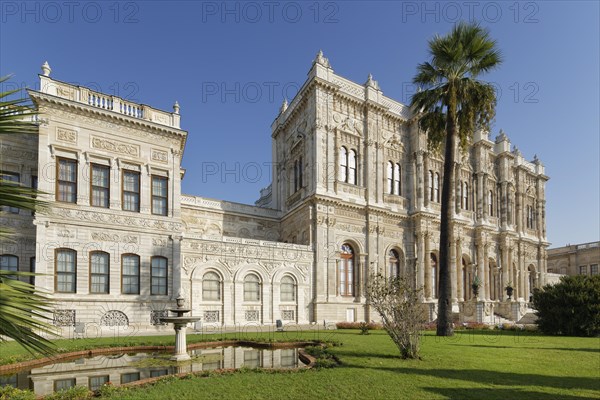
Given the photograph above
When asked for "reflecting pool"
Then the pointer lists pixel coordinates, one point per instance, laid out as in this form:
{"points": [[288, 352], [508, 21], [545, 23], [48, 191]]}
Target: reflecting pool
{"points": [[94, 371]]}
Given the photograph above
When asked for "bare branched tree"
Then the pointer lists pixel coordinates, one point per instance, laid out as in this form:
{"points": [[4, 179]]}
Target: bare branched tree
{"points": [[397, 301]]}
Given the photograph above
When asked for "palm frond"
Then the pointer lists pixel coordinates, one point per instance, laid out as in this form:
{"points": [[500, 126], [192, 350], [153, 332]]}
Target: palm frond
{"points": [[24, 312]]}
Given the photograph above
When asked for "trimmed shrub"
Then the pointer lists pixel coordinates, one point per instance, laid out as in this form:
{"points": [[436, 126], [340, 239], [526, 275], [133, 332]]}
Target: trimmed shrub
{"points": [[359, 325], [570, 307]]}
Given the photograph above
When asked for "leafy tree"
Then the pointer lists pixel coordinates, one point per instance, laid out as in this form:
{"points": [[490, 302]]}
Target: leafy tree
{"points": [[23, 309], [451, 104], [570, 307], [401, 311]]}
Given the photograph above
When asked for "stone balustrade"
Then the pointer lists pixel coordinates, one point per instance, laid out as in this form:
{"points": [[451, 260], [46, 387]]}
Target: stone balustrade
{"points": [[109, 102]]}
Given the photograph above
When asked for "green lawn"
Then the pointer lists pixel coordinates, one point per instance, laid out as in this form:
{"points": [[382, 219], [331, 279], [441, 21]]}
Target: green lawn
{"points": [[472, 365]]}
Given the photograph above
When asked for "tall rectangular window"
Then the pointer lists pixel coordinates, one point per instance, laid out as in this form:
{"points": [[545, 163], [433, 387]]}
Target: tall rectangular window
{"points": [[583, 270], [10, 177], [34, 186], [100, 185], [66, 271], [594, 269], [130, 278], [66, 183], [131, 191], [158, 276], [159, 195], [99, 272], [32, 270]]}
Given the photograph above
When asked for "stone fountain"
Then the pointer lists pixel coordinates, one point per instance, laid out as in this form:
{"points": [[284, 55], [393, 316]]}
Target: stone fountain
{"points": [[180, 324]]}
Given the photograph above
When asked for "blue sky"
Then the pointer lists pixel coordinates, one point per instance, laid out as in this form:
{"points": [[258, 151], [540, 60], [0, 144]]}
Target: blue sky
{"points": [[230, 64]]}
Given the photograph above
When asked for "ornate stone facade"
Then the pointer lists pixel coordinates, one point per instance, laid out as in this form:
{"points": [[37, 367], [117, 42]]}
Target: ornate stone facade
{"points": [[355, 191]]}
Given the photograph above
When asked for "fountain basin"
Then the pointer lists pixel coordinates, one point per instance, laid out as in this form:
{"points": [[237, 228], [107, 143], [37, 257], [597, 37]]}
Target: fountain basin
{"points": [[179, 320]]}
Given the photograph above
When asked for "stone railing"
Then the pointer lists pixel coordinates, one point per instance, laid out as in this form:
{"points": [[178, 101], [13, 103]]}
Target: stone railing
{"points": [[108, 102]]}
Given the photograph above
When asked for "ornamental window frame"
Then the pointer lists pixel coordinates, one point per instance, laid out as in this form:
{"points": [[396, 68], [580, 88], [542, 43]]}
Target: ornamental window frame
{"points": [[135, 276], [136, 192], [69, 182], [159, 276], [252, 287], [347, 271], [105, 189], [211, 286], [161, 198], [105, 275], [62, 273]]}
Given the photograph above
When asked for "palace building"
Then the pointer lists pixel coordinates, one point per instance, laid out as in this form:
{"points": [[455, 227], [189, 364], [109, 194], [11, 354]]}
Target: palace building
{"points": [[355, 191]]}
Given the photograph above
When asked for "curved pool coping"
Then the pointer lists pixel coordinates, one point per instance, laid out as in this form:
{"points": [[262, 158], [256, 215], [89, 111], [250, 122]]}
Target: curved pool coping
{"points": [[306, 358]]}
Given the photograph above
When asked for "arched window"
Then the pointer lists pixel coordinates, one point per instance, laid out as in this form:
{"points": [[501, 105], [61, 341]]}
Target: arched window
{"points": [[130, 274], [66, 271], [465, 279], [394, 261], [465, 196], [491, 203], [390, 177], [9, 262], [343, 175], [348, 160], [99, 272], [397, 179], [434, 276], [352, 167], [211, 287], [436, 187], [251, 288], [430, 184], [158, 275], [346, 271], [288, 288]]}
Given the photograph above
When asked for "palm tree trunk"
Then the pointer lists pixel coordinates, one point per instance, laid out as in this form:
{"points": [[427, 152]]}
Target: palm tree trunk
{"points": [[444, 321]]}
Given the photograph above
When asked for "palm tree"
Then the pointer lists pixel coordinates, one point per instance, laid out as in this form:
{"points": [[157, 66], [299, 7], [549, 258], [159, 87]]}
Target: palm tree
{"points": [[23, 309], [452, 103]]}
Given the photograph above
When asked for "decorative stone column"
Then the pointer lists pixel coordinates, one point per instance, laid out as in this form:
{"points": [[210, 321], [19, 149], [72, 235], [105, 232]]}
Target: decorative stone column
{"points": [[427, 259]]}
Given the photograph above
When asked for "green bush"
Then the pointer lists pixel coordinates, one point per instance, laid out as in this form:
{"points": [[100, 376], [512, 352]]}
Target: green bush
{"points": [[11, 393], [571, 307], [74, 393]]}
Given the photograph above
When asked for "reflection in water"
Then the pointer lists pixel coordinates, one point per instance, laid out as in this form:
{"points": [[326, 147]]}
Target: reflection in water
{"points": [[93, 372]]}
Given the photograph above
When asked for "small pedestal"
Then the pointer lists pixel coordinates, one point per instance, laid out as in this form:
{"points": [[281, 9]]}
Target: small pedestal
{"points": [[180, 343]]}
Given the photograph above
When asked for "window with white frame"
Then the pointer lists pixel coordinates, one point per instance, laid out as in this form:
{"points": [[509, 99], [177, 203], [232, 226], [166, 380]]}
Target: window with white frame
{"points": [[348, 165], [99, 272], [66, 271], [158, 275], [211, 287], [393, 178], [346, 271], [100, 185], [66, 183], [251, 288], [131, 191], [436, 188], [288, 288], [394, 263], [160, 195], [130, 274]]}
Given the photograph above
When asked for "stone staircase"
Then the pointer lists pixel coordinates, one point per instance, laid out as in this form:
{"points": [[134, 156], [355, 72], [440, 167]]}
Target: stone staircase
{"points": [[528, 318]]}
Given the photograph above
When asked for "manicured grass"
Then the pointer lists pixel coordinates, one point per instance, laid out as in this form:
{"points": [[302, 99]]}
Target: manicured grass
{"points": [[472, 365]]}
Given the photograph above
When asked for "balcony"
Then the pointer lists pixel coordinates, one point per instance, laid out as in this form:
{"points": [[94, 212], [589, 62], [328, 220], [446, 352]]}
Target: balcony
{"points": [[110, 103]]}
